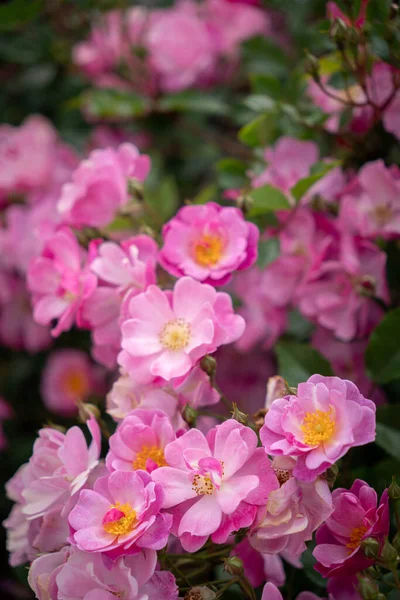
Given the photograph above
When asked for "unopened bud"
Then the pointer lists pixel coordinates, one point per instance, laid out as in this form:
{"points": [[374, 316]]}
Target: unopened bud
{"points": [[86, 410], [244, 202], [135, 188], [339, 32], [238, 415], [209, 365], [394, 490], [371, 547], [381, 596], [389, 556], [312, 66], [368, 589], [189, 414], [200, 592], [259, 417], [396, 541], [331, 474], [233, 565], [276, 388]]}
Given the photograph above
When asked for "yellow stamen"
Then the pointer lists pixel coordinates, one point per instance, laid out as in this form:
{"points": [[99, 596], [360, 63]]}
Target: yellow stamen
{"points": [[125, 524], [355, 537], [318, 427], [175, 335], [208, 250], [203, 485], [153, 452]]}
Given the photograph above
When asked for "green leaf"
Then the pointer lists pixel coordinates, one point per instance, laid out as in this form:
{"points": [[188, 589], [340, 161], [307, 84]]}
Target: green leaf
{"points": [[267, 199], [382, 356], [261, 56], [259, 131], [163, 200], [297, 362], [378, 10], [232, 172], [265, 84], [303, 185], [388, 439], [207, 194], [259, 102], [113, 104], [194, 101], [268, 251], [19, 12]]}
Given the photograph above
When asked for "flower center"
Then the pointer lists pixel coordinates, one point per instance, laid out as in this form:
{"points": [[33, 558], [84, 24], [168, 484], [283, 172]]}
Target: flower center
{"points": [[318, 427], [382, 214], [282, 475], [355, 537], [149, 453], [75, 384], [120, 519], [175, 335], [203, 485], [208, 250]]}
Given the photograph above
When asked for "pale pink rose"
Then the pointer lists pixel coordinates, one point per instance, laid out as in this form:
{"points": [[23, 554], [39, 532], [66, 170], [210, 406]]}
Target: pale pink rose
{"points": [[124, 270], [99, 186], [59, 467], [288, 161], [59, 282], [375, 210], [167, 333], [357, 515], [380, 87], [231, 23], [326, 418], [76, 575], [68, 378], [209, 243], [340, 297], [139, 442], [348, 362], [120, 516], [107, 136], [292, 513], [213, 485], [18, 330], [181, 50], [26, 155], [259, 567]]}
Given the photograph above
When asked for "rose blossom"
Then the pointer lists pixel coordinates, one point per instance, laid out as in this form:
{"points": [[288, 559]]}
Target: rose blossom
{"points": [[68, 378], [260, 567], [357, 515], [59, 282], [375, 210], [208, 243], [292, 512], [181, 49], [213, 485], [99, 186], [123, 270], [319, 425], [59, 467], [140, 441], [120, 516], [77, 575], [167, 333]]}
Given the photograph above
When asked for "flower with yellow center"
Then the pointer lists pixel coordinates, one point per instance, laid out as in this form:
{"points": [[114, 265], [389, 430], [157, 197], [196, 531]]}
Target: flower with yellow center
{"points": [[203, 485], [75, 384], [175, 335], [120, 519], [318, 426], [149, 452], [208, 250], [355, 537]]}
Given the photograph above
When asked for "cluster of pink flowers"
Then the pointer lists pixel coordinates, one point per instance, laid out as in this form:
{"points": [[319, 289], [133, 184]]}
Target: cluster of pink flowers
{"points": [[188, 45], [93, 529]]}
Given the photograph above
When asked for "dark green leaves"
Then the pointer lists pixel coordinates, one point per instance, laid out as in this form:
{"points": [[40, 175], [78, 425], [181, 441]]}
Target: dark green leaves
{"points": [[19, 12], [383, 352], [388, 439], [194, 101], [268, 251], [113, 104], [297, 362]]}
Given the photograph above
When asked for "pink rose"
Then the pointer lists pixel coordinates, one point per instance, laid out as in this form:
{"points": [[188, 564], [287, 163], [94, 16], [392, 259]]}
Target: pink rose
{"points": [[319, 425], [208, 243]]}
